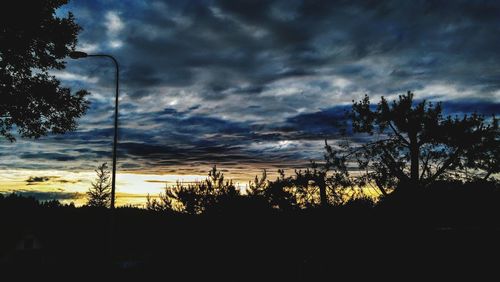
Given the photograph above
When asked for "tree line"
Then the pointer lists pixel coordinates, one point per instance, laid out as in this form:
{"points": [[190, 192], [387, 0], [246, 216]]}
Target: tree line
{"points": [[401, 147]]}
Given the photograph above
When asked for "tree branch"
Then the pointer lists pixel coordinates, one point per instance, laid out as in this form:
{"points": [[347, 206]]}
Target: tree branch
{"points": [[391, 164], [399, 134], [380, 188], [445, 166], [425, 166]]}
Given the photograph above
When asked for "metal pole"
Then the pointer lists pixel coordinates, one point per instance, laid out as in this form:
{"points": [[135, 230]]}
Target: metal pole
{"points": [[77, 55], [115, 138]]}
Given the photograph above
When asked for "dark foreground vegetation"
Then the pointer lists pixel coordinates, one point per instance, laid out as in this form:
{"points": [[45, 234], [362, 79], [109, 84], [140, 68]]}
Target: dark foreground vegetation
{"points": [[449, 230]]}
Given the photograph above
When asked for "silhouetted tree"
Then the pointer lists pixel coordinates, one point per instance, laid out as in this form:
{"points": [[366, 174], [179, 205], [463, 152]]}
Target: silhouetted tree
{"points": [[308, 188], [99, 195], [198, 197], [280, 192], [311, 186], [414, 145], [32, 42], [483, 161], [258, 186], [162, 204]]}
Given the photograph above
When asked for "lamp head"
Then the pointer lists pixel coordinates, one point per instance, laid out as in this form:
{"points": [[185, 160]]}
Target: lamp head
{"points": [[77, 55]]}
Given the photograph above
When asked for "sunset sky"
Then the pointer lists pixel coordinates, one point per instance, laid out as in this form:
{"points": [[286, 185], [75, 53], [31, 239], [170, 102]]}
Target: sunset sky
{"points": [[247, 85]]}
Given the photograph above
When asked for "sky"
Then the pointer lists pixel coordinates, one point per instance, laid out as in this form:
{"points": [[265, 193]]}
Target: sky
{"points": [[247, 85]]}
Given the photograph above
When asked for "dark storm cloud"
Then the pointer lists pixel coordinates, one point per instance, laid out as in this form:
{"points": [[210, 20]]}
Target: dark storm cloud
{"points": [[172, 43], [467, 107], [248, 82], [38, 179], [34, 180], [199, 140], [48, 196], [318, 125], [233, 58], [48, 156]]}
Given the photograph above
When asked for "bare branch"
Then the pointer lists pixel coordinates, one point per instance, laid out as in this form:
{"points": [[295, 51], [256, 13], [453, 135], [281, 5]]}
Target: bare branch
{"points": [[399, 134]]}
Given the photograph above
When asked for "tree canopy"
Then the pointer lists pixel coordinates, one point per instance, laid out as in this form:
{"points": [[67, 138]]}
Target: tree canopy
{"points": [[33, 41], [415, 144], [198, 197]]}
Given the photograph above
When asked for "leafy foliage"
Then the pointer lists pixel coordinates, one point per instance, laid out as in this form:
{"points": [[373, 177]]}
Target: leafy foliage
{"points": [[32, 42]]}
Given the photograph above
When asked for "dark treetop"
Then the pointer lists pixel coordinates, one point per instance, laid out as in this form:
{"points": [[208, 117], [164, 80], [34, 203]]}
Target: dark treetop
{"points": [[32, 42]]}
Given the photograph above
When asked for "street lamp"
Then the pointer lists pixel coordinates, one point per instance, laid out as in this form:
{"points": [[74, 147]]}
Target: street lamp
{"points": [[78, 55]]}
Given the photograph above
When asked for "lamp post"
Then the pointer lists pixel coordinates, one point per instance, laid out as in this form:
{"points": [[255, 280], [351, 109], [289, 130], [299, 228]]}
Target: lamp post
{"points": [[79, 55]]}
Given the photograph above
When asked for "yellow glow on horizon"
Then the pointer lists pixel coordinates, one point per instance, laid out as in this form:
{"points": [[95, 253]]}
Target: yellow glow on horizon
{"points": [[131, 188]]}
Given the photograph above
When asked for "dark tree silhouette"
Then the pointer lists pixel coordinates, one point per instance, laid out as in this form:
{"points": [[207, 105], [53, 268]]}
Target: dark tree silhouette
{"points": [[196, 198], [32, 42], [99, 195], [310, 188], [414, 144], [258, 186], [280, 192], [164, 202]]}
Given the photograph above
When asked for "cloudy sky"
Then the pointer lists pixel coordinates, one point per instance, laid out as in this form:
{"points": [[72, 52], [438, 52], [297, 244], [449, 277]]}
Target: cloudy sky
{"points": [[248, 85]]}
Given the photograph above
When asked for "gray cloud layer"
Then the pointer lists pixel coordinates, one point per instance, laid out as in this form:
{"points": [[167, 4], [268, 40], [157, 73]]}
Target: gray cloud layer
{"points": [[261, 83]]}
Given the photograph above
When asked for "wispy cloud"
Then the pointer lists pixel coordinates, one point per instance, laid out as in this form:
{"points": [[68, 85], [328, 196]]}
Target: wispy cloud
{"points": [[114, 23], [114, 26], [65, 75]]}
